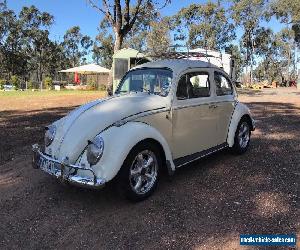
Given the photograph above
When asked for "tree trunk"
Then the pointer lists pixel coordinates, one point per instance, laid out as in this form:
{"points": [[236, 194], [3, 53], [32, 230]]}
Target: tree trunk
{"points": [[119, 37], [119, 41], [288, 64]]}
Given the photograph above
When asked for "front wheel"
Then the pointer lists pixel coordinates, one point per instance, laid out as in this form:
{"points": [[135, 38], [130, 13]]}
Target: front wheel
{"points": [[140, 171], [242, 137]]}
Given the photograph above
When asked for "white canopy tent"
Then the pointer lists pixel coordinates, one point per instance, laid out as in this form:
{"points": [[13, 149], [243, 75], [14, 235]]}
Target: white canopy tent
{"points": [[87, 69]]}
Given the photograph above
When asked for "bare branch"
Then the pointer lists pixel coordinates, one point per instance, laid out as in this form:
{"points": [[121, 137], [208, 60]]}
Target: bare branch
{"points": [[126, 16], [164, 5], [129, 25], [119, 18], [106, 12], [95, 6]]}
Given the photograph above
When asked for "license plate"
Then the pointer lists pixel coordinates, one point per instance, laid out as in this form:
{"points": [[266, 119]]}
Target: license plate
{"points": [[48, 166]]}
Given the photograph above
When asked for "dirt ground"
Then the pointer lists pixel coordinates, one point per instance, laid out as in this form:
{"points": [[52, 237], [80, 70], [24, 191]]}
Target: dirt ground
{"points": [[207, 205]]}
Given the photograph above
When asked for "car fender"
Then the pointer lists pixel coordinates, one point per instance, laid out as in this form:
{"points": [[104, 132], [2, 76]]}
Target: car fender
{"points": [[119, 140], [239, 111]]}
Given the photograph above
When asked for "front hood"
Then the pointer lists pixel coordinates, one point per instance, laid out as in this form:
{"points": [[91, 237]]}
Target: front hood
{"points": [[85, 122]]}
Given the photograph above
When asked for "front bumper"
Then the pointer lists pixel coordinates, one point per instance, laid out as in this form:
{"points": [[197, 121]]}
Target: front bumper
{"points": [[63, 171]]}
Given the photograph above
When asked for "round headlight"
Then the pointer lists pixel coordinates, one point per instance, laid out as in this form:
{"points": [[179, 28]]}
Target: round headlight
{"points": [[50, 134], [95, 150]]}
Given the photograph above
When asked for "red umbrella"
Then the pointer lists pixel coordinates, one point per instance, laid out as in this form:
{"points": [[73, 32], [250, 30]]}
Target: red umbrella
{"points": [[76, 78]]}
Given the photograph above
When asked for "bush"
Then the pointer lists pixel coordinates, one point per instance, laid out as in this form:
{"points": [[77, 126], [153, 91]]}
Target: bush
{"points": [[92, 85], [48, 82], [29, 84], [15, 81], [102, 87], [2, 83]]}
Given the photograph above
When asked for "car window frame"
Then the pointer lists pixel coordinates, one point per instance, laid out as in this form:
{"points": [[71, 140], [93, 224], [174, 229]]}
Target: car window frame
{"points": [[227, 78], [195, 71]]}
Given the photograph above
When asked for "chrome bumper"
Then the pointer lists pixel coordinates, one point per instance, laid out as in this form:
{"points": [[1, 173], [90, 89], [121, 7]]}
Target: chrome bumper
{"points": [[63, 171]]}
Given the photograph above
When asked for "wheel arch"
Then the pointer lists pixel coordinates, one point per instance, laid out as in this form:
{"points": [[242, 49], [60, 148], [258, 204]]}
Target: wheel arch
{"points": [[118, 144], [240, 112], [166, 168]]}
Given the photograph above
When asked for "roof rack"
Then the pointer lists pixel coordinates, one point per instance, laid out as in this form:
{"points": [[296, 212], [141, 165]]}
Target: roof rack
{"points": [[186, 53]]}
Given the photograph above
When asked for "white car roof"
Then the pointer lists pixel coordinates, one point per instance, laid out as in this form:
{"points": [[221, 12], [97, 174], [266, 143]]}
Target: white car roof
{"points": [[176, 65]]}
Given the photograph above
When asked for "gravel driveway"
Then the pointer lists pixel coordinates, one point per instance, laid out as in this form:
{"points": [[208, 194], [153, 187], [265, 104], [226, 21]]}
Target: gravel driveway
{"points": [[207, 205]]}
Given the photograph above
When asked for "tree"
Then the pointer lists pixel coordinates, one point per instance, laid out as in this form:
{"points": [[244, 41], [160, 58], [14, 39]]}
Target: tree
{"points": [[76, 45], [121, 17], [136, 38], [14, 58], [235, 52], [288, 12], [103, 49], [35, 25], [158, 38], [207, 24], [26, 50], [247, 14]]}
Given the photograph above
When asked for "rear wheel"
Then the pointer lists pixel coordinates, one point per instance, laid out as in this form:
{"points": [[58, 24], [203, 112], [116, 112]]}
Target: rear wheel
{"points": [[242, 137], [139, 174]]}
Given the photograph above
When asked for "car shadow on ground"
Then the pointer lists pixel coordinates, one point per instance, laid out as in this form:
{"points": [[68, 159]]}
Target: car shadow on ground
{"points": [[20, 129], [206, 205]]}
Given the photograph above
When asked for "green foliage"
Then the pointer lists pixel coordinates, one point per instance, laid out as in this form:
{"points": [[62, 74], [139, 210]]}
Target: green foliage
{"points": [[29, 84], [158, 38], [26, 49], [104, 49], [2, 83], [102, 87], [76, 45], [235, 51], [27, 52], [92, 85], [15, 81], [48, 82], [288, 11], [207, 24]]}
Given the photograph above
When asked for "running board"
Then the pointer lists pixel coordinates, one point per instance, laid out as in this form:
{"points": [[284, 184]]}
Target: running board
{"points": [[179, 162]]}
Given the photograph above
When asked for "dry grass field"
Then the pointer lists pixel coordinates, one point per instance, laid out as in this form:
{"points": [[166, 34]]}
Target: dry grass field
{"points": [[207, 205]]}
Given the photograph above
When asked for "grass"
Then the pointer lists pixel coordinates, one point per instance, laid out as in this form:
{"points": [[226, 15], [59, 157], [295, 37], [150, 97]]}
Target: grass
{"points": [[29, 93], [36, 100]]}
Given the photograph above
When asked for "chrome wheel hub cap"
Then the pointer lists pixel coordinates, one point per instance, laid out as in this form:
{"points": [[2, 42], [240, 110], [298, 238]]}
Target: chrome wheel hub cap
{"points": [[244, 135], [143, 172]]}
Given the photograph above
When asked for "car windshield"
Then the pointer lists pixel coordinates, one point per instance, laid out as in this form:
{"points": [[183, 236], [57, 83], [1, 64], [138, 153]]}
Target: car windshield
{"points": [[151, 80]]}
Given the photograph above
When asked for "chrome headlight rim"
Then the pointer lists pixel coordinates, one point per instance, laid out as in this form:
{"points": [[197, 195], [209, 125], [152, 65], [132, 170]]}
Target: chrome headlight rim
{"points": [[95, 150], [50, 134]]}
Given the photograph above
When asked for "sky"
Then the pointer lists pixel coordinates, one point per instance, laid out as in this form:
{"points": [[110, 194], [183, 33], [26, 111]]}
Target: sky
{"points": [[68, 13]]}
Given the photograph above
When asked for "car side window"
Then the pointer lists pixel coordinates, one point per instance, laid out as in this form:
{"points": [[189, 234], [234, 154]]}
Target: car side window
{"points": [[223, 85], [193, 85]]}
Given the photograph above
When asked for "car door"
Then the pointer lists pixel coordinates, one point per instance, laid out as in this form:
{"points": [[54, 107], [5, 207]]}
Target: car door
{"points": [[194, 118], [225, 102]]}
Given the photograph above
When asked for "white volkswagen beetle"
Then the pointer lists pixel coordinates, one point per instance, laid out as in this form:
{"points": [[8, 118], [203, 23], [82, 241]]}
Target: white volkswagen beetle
{"points": [[164, 114]]}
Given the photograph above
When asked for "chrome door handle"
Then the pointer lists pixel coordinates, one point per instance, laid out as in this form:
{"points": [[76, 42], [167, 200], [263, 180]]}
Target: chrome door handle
{"points": [[213, 106]]}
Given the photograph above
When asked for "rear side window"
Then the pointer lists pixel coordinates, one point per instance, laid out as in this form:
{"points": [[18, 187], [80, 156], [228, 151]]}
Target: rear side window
{"points": [[193, 85], [223, 85]]}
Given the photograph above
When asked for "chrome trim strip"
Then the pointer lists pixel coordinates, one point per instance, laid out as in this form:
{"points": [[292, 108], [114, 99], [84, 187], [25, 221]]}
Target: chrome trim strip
{"points": [[90, 182], [198, 104], [139, 115], [201, 154]]}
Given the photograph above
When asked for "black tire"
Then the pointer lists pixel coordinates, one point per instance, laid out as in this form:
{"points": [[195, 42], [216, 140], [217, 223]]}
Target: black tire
{"points": [[239, 147], [125, 181]]}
